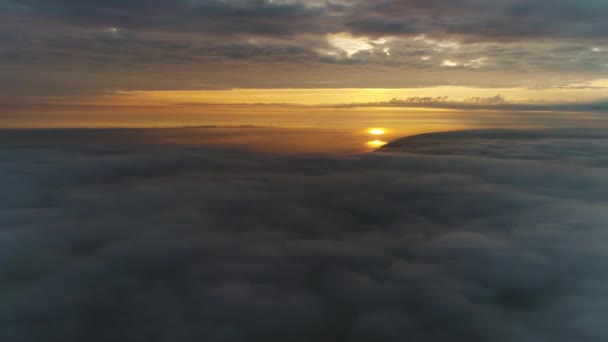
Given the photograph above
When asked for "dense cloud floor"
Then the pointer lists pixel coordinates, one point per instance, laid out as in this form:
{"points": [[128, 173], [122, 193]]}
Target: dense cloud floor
{"points": [[192, 244]]}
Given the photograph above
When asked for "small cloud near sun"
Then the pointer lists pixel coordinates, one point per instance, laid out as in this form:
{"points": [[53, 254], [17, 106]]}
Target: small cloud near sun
{"points": [[351, 44], [438, 45], [449, 63], [476, 63]]}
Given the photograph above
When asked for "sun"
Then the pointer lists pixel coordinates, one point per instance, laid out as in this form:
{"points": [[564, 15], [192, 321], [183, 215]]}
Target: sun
{"points": [[376, 143], [377, 131]]}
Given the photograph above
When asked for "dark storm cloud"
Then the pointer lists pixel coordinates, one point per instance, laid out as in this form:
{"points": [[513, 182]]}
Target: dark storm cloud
{"points": [[116, 243]]}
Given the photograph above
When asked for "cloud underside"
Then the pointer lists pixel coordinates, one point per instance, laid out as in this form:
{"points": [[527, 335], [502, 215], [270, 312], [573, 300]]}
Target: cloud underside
{"points": [[179, 44], [501, 240], [474, 18]]}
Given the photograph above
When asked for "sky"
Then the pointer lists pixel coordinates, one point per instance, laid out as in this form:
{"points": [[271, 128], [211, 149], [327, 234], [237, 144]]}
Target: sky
{"points": [[289, 170], [136, 63]]}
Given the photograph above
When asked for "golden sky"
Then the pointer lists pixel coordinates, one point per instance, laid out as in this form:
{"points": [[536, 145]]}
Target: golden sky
{"points": [[348, 63]]}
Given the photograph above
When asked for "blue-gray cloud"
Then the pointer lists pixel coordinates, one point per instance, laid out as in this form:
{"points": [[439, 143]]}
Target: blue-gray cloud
{"points": [[475, 18], [104, 44], [113, 243], [497, 102]]}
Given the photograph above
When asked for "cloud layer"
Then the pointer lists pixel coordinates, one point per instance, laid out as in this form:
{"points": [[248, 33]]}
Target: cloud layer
{"points": [[185, 44], [475, 18], [116, 243]]}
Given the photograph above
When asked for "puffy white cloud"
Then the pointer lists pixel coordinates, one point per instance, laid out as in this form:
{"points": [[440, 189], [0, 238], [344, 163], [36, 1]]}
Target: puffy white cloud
{"points": [[449, 63], [352, 45]]}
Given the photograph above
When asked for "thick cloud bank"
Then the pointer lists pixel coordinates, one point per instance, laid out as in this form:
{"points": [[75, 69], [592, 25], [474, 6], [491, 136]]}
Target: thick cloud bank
{"points": [[191, 244], [572, 145], [92, 47]]}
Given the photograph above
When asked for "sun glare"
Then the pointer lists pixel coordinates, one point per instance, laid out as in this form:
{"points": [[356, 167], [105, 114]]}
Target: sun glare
{"points": [[376, 143], [377, 131]]}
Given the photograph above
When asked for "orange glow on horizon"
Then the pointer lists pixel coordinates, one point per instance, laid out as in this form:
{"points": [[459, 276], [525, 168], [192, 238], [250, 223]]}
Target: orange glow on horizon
{"points": [[345, 96]]}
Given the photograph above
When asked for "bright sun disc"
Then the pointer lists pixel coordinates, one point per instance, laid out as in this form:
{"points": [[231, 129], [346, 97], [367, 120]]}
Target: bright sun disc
{"points": [[377, 131], [376, 143]]}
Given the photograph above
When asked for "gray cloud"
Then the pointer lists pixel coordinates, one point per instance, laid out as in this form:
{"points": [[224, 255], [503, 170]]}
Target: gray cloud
{"points": [[497, 102], [565, 144], [495, 19], [204, 17], [125, 242], [483, 19], [217, 39]]}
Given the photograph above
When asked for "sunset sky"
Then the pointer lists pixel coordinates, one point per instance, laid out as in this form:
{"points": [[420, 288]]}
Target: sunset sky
{"points": [[114, 63], [303, 170]]}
